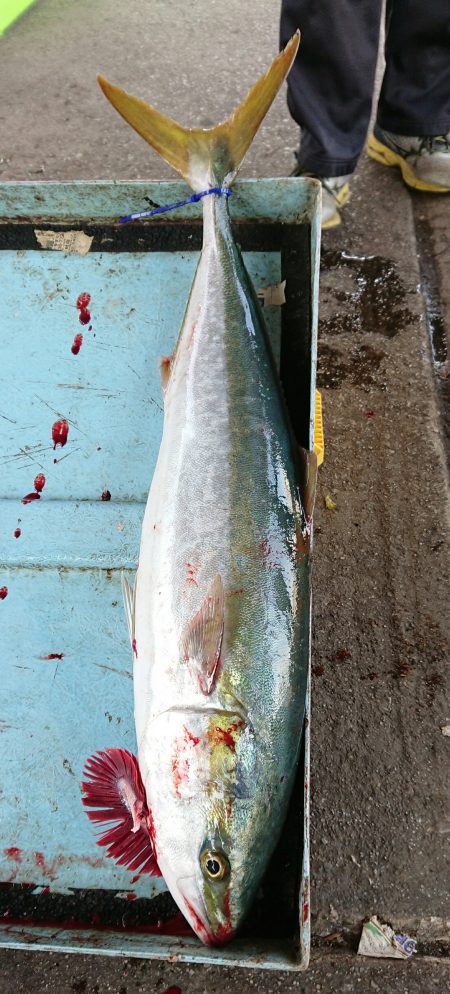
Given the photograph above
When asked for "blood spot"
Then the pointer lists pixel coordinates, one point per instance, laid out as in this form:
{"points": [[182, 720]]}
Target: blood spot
{"points": [[76, 344], [14, 853], [83, 301], [342, 654], [193, 739], [191, 576], [134, 647], [30, 497], [318, 670], [370, 414], [53, 655], [106, 495], [305, 912], [131, 896], [39, 483], [225, 736], [17, 532], [60, 432], [3, 593]]}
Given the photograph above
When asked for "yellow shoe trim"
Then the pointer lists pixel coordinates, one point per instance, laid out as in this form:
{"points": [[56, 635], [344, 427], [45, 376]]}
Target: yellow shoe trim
{"points": [[382, 153], [341, 199], [343, 196], [332, 221]]}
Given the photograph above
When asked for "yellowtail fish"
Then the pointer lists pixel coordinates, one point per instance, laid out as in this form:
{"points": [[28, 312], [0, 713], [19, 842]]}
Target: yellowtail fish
{"points": [[219, 613]]}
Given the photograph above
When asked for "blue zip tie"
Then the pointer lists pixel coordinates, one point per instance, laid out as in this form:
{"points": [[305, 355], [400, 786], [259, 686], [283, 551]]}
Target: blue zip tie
{"points": [[180, 203]]}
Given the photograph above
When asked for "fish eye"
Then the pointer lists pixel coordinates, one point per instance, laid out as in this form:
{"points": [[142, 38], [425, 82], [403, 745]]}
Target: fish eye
{"points": [[215, 865]]}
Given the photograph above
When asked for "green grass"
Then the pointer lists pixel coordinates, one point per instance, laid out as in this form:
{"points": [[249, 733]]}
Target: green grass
{"points": [[10, 10]]}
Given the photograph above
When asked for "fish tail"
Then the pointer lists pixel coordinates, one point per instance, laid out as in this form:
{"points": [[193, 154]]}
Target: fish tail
{"points": [[206, 157]]}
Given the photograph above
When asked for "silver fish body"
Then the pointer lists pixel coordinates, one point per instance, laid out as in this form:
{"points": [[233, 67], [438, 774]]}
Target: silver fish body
{"points": [[218, 762]]}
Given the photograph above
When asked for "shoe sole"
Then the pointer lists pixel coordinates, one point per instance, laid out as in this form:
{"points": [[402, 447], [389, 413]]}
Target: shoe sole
{"points": [[342, 198], [382, 153]]}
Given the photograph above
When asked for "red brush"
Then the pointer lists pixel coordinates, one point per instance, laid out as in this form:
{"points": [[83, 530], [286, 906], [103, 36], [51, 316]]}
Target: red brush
{"points": [[113, 788]]}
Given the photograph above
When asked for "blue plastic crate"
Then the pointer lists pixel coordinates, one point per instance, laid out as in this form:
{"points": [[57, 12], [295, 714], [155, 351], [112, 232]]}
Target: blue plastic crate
{"points": [[66, 687]]}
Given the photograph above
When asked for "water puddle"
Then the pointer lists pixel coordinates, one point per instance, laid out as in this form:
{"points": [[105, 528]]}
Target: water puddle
{"points": [[370, 292]]}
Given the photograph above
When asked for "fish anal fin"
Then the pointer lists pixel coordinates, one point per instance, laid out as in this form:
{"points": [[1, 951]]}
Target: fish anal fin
{"points": [[165, 369], [114, 795], [201, 641], [129, 599], [308, 480]]}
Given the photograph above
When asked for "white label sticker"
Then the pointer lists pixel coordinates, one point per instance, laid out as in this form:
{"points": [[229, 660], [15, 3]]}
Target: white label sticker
{"points": [[64, 241], [273, 295]]}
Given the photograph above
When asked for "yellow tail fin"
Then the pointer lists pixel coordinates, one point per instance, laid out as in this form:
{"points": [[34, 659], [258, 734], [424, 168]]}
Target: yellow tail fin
{"points": [[206, 157]]}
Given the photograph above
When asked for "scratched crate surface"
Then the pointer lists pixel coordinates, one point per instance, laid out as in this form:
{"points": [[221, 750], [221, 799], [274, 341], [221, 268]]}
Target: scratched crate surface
{"points": [[66, 686]]}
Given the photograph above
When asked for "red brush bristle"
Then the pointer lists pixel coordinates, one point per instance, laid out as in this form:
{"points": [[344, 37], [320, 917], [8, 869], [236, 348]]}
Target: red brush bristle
{"points": [[113, 788]]}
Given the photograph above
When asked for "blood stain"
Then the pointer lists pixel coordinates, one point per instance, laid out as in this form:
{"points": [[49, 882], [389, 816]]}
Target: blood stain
{"points": [[305, 912], [342, 654], [318, 670], [83, 301], [131, 896], [17, 532], [39, 483], [370, 414], [173, 990], [30, 497], [53, 655], [14, 853], [134, 647], [193, 739], [60, 431], [3, 593], [76, 344], [106, 495]]}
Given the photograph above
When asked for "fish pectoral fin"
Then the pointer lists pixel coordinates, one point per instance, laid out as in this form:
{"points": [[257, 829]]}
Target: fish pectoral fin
{"points": [[201, 641], [114, 793], [308, 480], [129, 601]]}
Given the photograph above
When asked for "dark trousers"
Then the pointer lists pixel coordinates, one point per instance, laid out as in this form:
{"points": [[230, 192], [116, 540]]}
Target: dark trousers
{"points": [[330, 85]]}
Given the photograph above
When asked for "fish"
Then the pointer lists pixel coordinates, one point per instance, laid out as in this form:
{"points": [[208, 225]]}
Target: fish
{"points": [[219, 612]]}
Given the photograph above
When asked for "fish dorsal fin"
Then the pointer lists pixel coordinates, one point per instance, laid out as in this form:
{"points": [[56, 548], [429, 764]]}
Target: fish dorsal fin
{"points": [[201, 641], [308, 480], [205, 155], [129, 601], [114, 794]]}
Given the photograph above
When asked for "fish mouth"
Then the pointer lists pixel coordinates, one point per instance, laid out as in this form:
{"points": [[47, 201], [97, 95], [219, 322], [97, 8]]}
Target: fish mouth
{"points": [[194, 909], [222, 935], [192, 905]]}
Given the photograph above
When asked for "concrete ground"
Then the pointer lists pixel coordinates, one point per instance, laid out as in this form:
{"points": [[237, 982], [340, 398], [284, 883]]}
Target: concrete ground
{"points": [[381, 617]]}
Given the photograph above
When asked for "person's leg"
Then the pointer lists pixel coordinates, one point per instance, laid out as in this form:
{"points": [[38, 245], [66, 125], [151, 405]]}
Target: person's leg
{"points": [[413, 120], [331, 82], [415, 95]]}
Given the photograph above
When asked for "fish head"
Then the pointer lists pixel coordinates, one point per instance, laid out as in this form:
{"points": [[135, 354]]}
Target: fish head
{"points": [[211, 842]]}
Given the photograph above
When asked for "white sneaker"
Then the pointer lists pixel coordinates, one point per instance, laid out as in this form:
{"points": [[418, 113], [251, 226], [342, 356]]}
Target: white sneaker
{"points": [[424, 162], [335, 194]]}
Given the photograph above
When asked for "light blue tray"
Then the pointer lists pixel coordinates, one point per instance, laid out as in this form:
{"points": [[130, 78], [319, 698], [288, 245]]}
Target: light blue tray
{"points": [[63, 572]]}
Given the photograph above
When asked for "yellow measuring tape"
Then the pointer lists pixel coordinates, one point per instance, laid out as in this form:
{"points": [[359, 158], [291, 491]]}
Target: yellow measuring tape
{"points": [[319, 443]]}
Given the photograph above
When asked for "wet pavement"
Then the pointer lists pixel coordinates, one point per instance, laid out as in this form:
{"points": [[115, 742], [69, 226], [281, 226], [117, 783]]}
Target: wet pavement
{"points": [[381, 618]]}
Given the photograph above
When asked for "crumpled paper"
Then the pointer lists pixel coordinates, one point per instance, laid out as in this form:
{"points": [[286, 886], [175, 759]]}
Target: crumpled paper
{"points": [[381, 941]]}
